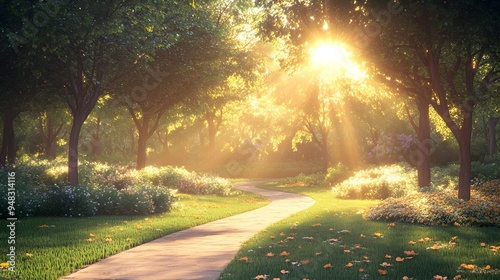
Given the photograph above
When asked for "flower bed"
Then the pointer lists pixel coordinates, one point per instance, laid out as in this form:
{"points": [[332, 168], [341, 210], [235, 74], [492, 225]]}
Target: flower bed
{"points": [[443, 207]]}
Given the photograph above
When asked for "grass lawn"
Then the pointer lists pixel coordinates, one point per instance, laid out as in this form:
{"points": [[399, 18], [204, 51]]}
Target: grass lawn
{"points": [[48, 248], [331, 240]]}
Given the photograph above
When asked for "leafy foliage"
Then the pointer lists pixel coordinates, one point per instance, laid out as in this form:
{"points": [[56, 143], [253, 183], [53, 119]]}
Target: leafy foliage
{"points": [[394, 180], [443, 208], [42, 189]]}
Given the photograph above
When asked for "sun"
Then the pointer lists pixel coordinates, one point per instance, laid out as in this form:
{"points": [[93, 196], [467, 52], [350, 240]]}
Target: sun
{"points": [[329, 54], [334, 55]]}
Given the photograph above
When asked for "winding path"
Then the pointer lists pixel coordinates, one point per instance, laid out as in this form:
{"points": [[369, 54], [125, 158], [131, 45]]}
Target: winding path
{"points": [[201, 252]]}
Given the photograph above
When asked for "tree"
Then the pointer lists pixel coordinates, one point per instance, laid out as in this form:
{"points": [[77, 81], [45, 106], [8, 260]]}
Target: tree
{"points": [[95, 43], [456, 62]]}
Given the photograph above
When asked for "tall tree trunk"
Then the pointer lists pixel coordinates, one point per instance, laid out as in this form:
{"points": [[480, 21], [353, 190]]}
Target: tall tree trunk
{"points": [[464, 144], [325, 151], [141, 148], [131, 135], [8, 151], [422, 156], [74, 136], [424, 146], [212, 132], [492, 141], [50, 136]]}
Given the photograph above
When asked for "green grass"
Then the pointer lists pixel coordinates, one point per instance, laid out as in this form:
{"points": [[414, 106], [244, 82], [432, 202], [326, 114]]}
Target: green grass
{"points": [[369, 244], [60, 246]]}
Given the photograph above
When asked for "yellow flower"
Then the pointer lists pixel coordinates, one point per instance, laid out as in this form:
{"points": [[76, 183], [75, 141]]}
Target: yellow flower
{"points": [[108, 239], [4, 265], [91, 235], [29, 255]]}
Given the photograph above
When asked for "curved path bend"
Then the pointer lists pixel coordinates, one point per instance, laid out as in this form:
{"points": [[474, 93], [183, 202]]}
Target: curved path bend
{"points": [[201, 252]]}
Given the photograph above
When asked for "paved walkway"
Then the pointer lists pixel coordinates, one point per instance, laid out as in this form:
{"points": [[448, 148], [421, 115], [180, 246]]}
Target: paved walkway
{"points": [[201, 252]]}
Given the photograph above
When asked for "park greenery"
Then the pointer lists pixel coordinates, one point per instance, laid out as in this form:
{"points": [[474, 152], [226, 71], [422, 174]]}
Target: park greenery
{"points": [[333, 240], [146, 109], [51, 247]]}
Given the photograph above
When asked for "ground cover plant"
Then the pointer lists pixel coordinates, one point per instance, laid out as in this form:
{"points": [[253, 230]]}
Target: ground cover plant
{"points": [[332, 240], [50, 247]]}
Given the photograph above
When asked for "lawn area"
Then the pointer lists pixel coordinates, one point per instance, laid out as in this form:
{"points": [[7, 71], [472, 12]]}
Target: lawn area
{"points": [[50, 247], [331, 240]]}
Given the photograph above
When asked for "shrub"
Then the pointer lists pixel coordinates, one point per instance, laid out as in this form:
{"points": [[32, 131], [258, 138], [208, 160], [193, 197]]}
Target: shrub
{"points": [[378, 183], [41, 189], [107, 190], [487, 171], [443, 207], [316, 179], [393, 180], [186, 182], [337, 174]]}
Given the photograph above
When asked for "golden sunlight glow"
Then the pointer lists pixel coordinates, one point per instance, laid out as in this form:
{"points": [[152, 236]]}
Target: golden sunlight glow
{"points": [[336, 56], [328, 54]]}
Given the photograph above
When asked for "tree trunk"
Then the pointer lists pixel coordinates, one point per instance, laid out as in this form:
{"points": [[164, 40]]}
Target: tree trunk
{"points": [[212, 132], [492, 141], [141, 148], [50, 137], [424, 145], [74, 136], [325, 151], [49, 143], [8, 151], [464, 143], [131, 135]]}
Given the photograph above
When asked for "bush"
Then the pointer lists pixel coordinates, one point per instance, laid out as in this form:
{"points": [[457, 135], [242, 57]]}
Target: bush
{"points": [[186, 182], [486, 171], [443, 207], [393, 180], [378, 183], [41, 191], [316, 180], [337, 174]]}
